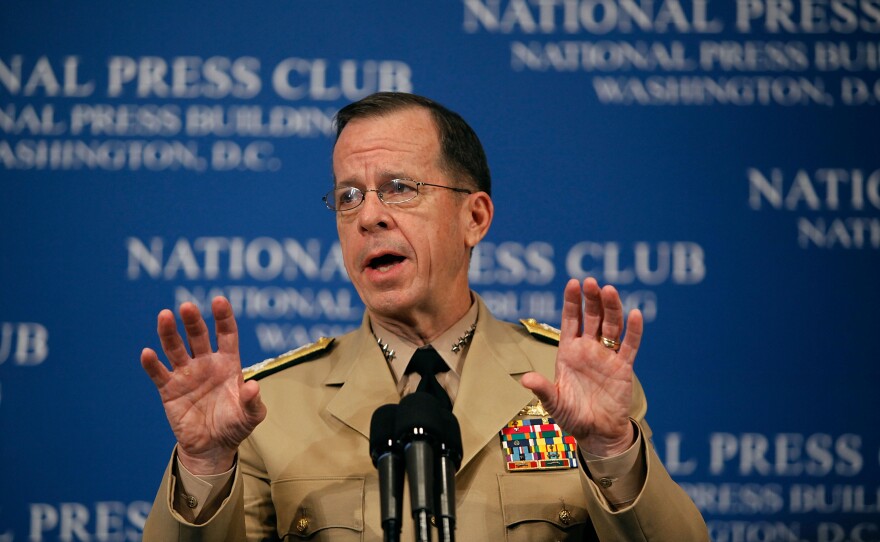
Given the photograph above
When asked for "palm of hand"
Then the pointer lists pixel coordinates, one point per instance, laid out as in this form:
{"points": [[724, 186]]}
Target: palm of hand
{"points": [[209, 406], [203, 403], [593, 389]]}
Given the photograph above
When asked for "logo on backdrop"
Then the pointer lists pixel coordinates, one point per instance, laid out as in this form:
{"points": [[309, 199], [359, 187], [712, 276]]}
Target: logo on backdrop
{"points": [[156, 113], [22, 344], [297, 289], [633, 268], [801, 54], [791, 476], [838, 208], [74, 521]]}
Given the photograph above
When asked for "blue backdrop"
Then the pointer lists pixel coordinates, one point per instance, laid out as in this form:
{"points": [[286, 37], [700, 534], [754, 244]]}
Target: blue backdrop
{"points": [[716, 161]]}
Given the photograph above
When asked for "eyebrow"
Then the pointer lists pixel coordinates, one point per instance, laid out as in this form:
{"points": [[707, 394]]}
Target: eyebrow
{"points": [[384, 177]]}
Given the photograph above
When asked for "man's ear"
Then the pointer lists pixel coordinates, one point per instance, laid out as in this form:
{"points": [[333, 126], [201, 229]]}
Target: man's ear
{"points": [[479, 212]]}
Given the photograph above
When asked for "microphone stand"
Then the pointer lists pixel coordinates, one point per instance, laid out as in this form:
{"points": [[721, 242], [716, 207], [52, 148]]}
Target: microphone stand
{"points": [[419, 428], [448, 463], [387, 459], [419, 468]]}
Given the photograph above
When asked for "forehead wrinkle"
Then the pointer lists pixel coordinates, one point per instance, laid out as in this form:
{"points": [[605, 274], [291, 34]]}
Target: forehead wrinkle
{"points": [[372, 163], [393, 146]]}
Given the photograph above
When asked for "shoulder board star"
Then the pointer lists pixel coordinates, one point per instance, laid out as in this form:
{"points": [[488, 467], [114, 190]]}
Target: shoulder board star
{"points": [[288, 359], [540, 331]]}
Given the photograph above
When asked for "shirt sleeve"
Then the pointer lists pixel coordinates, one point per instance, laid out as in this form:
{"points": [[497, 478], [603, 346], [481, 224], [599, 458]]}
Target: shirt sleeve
{"points": [[621, 477], [201, 495]]}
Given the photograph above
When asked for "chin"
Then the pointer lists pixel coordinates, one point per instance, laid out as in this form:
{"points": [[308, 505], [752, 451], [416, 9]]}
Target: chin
{"points": [[388, 303]]}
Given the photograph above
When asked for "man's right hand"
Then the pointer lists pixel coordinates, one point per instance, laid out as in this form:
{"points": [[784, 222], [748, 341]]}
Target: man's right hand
{"points": [[209, 406]]}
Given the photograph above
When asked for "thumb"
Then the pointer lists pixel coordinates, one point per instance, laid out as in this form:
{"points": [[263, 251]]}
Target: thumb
{"points": [[251, 403], [541, 387]]}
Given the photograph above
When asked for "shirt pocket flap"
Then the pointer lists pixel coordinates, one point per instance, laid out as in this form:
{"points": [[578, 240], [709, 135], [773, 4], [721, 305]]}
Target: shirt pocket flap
{"points": [[543, 497], [311, 508]]}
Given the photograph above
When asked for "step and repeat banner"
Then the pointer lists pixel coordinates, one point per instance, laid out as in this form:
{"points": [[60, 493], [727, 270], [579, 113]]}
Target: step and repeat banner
{"points": [[717, 161]]}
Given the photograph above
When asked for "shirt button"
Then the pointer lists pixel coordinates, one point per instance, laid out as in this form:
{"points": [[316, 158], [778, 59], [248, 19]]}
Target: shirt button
{"points": [[565, 516], [302, 525], [606, 482], [191, 501]]}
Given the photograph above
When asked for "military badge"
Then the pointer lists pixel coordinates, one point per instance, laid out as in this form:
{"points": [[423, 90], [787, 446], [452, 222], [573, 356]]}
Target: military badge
{"points": [[533, 441]]}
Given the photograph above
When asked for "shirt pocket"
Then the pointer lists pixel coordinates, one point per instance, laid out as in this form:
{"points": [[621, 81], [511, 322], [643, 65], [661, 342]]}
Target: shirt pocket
{"points": [[320, 509], [546, 506]]}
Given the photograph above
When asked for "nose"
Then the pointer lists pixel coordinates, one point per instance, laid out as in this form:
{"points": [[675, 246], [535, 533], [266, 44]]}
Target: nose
{"points": [[373, 213]]}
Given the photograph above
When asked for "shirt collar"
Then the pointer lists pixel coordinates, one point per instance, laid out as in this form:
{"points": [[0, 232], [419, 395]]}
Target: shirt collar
{"points": [[458, 335]]}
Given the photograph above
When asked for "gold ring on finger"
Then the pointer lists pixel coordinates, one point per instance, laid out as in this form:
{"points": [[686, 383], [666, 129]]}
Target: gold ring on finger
{"points": [[613, 344]]}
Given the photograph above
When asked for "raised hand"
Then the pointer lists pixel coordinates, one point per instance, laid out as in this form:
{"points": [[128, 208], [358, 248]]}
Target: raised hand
{"points": [[210, 408], [591, 394]]}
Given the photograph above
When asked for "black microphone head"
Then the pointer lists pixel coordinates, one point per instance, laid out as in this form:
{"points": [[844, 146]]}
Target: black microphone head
{"points": [[451, 437], [419, 413], [382, 431]]}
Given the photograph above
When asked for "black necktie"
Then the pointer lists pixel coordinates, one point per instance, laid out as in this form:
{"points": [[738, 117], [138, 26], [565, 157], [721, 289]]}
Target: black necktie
{"points": [[427, 363]]}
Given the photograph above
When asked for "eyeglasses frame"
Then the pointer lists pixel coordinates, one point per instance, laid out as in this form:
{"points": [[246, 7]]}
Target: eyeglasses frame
{"points": [[418, 184]]}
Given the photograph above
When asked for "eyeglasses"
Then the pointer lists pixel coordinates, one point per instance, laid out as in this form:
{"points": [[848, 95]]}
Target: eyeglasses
{"points": [[393, 192]]}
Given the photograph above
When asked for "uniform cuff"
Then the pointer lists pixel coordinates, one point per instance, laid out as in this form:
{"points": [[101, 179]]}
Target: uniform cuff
{"points": [[196, 493], [621, 477]]}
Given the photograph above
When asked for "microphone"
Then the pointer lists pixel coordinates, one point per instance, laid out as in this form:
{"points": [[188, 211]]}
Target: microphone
{"points": [[418, 428], [447, 466], [386, 456]]}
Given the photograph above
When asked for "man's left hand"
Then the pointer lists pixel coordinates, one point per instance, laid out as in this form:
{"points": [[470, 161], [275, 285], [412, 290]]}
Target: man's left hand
{"points": [[591, 396]]}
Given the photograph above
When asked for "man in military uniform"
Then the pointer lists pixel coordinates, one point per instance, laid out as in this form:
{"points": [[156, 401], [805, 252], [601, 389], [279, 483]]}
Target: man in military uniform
{"points": [[555, 442]]}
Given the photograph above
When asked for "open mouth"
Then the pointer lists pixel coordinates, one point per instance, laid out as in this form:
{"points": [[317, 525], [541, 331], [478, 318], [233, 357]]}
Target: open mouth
{"points": [[385, 262]]}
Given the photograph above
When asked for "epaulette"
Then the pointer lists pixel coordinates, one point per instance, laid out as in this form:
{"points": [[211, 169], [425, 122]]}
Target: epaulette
{"points": [[288, 359], [542, 332]]}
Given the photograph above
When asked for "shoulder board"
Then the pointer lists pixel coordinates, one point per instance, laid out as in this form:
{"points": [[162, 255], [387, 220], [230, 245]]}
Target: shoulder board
{"points": [[288, 359], [542, 332]]}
